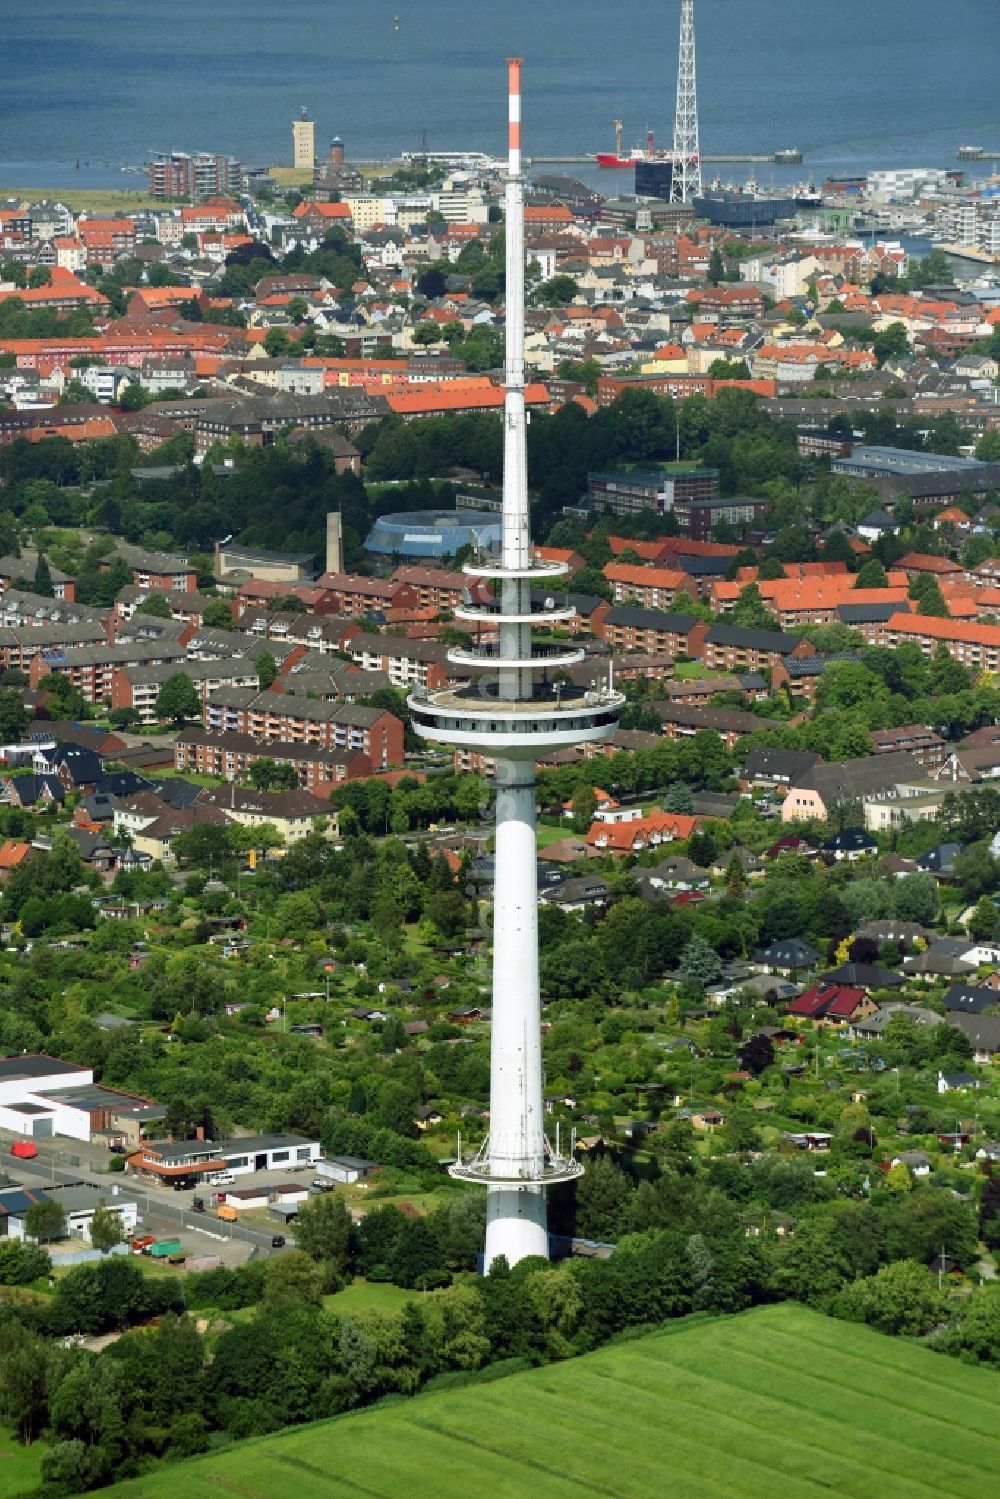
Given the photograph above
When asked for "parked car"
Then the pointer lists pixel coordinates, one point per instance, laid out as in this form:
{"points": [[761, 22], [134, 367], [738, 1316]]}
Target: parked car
{"points": [[277, 1241], [320, 1184]]}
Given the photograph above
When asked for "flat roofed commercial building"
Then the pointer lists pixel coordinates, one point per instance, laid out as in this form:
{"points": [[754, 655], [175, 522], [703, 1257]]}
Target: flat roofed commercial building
{"points": [[173, 1160], [698, 516], [41, 1097], [628, 491]]}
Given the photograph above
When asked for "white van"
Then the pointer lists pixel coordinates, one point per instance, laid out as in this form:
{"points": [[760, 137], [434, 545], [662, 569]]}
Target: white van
{"points": [[221, 1179]]}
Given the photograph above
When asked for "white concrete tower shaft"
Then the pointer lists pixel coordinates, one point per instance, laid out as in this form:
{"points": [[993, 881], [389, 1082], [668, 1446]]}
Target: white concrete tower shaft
{"points": [[686, 183], [515, 1216]]}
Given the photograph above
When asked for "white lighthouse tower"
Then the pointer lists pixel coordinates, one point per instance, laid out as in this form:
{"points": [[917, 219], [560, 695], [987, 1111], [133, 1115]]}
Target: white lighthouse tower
{"points": [[514, 714]]}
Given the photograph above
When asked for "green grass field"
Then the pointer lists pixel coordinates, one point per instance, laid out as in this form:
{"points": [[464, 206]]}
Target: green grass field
{"points": [[20, 1467], [779, 1402], [98, 199], [369, 1296], [547, 835]]}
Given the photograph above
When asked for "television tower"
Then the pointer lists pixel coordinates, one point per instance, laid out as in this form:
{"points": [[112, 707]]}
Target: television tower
{"points": [[686, 182], [512, 718]]}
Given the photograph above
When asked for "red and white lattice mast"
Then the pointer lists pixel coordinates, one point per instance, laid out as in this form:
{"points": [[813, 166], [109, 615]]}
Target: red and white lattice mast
{"points": [[686, 182]]}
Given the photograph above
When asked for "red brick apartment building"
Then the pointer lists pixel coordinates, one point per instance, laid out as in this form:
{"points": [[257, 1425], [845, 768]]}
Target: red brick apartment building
{"points": [[678, 386], [352, 594], [92, 668], [257, 593], [231, 755], [156, 570], [652, 632], [733, 648], [271, 717], [651, 587], [106, 240], [683, 721], [406, 662], [436, 588], [975, 645], [926, 747]]}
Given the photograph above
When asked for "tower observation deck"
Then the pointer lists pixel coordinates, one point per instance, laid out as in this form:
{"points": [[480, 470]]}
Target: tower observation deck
{"points": [[513, 718]]}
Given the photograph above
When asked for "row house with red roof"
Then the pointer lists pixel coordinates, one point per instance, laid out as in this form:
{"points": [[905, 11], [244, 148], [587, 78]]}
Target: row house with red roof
{"points": [[118, 344], [807, 601], [453, 397], [350, 593], [64, 292], [650, 831], [924, 564]]}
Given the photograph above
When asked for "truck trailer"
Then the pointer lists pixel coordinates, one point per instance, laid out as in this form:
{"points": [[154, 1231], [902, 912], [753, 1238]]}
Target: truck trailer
{"points": [[162, 1249]]}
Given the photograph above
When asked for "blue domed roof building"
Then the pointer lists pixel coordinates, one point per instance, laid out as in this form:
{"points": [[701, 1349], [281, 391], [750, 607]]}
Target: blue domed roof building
{"points": [[432, 535]]}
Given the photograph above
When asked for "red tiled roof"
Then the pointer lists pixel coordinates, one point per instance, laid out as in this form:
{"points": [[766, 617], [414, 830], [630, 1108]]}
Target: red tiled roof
{"points": [[646, 577], [12, 854], [322, 211], [961, 631], [926, 563], [827, 999], [620, 837]]}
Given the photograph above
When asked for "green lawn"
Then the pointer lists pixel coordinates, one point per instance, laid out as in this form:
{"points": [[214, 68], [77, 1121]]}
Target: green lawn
{"points": [[370, 1296], [547, 835], [779, 1402], [20, 1467], [687, 671]]}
